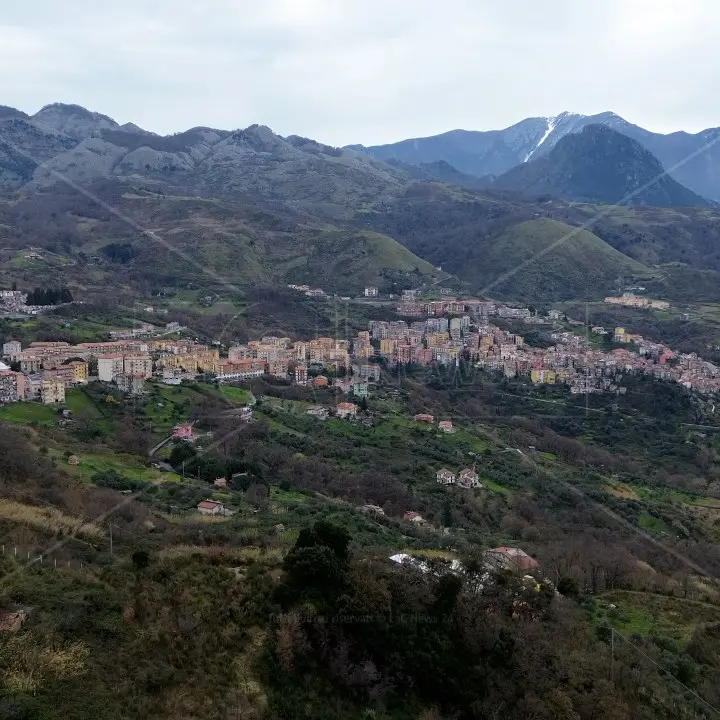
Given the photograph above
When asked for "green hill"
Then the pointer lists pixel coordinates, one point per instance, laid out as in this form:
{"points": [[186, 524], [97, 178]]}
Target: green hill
{"points": [[194, 242], [546, 259]]}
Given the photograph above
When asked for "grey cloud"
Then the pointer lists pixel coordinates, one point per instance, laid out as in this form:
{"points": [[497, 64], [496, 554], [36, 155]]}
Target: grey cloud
{"points": [[364, 71]]}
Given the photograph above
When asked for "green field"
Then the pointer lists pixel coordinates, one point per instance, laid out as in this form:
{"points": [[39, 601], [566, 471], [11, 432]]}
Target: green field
{"points": [[236, 394], [169, 405], [124, 464], [647, 614], [490, 485], [26, 413]]}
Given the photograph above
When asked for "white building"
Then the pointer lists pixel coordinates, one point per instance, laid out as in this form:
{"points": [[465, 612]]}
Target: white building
{"points": [[109, 367], [210, 507], [12, 350], [445, 477]]}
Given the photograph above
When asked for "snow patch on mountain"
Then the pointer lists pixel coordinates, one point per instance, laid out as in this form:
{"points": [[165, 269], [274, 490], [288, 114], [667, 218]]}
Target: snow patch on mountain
{"points": [[550, 128]]}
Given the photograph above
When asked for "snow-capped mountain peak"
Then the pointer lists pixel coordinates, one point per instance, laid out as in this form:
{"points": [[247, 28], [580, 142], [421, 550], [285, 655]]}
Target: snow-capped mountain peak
{"points": [[550, 127]]}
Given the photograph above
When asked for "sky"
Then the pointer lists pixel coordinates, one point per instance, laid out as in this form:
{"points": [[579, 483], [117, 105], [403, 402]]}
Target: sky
{"points": [[365, 71]]}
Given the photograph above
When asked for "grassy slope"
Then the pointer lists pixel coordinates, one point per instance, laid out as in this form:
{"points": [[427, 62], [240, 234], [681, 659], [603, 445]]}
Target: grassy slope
{"points": [[581, 265], [116, 613], [204, 244]]}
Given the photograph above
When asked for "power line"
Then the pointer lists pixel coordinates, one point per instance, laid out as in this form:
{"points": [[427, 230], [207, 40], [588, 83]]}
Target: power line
{"points": [[660, 667]]}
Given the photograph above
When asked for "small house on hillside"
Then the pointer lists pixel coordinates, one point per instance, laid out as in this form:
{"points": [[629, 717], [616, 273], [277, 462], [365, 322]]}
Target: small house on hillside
{"points": [[445, 477], [346, 409], [424, 417], [446, 426], [210, 507], [469, 479], [183, 432], [317, 411], [372, 509], [221, 482], [412, 516], [510, 558]]}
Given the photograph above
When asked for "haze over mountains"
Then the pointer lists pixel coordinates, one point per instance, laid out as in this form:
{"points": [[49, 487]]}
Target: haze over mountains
{"points": [[692, 159]]}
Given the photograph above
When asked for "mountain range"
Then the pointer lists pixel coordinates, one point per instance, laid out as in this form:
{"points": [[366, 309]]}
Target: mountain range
{"points": [[599, 164], [692, 159], [234, 208]]}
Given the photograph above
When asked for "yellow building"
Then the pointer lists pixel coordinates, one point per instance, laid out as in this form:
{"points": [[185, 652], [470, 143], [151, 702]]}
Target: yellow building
{"points": [[208, 360], [80, 369], [387, 346], [542, 376], [436, 339]]}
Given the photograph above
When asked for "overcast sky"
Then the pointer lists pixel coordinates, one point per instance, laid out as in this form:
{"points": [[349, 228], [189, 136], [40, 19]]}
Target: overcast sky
{"points": [[365, 71]]}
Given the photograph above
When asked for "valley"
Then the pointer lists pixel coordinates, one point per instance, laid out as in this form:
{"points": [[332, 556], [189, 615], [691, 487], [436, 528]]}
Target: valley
{"points": [[293, 431]]}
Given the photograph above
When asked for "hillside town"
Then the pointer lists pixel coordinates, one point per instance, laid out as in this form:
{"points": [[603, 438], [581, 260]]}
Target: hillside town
{"points": [[452, 330]]}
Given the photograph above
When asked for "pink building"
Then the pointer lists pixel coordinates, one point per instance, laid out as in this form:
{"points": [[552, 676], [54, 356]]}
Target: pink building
{"points": [[183, 432]]}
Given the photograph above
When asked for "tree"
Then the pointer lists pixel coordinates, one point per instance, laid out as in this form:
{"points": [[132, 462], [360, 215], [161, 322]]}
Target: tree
{"points": [[257, 494], [569, 587], [140, 559], [313, 572], [326, 534]]}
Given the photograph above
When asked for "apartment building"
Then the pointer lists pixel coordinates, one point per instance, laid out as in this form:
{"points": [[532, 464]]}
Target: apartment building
{"points": [[65, 374], [240, 369], [109, 367], [138, 365], [301, 375], [80, 368], [52, 392], [12, 350], [12, 386], [131, 384], [30, 363]]}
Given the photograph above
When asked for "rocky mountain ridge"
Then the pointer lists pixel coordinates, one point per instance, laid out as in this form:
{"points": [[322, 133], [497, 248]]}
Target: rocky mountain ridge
{"points": [[692, 159]]}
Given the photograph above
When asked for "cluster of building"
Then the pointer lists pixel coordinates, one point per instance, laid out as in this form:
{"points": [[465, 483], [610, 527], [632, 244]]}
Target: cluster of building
{"points": [[15, 301], [305, 362], [466, 478], [571, 361], [574, 362], [47, 369], [308, 291], [443, 425], [637, 301], [344, 410], [411, 305]]}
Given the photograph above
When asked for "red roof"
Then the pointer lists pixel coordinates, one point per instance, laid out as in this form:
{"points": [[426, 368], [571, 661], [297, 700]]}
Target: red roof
{"points": [[208, 504], [518, 557]]}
